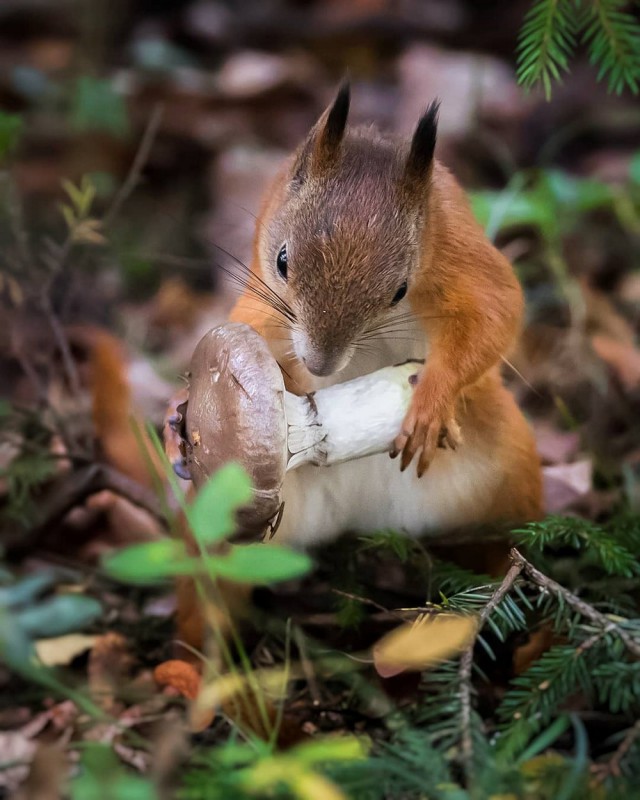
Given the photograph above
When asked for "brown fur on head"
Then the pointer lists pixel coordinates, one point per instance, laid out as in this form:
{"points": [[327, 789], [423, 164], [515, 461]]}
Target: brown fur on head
{"points": [[342, 248]]}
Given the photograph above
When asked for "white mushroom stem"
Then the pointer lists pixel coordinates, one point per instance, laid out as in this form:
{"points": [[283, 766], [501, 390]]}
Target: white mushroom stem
{"points": [[238, 410], [348, 420]]}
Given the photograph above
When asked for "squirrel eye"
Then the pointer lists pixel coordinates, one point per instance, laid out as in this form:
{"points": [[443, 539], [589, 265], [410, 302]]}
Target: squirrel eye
{"points": [[281, 262], [399, 294]]}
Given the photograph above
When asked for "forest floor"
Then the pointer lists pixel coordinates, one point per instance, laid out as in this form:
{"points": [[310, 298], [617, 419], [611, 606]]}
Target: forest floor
{"points": [[130, 176]]}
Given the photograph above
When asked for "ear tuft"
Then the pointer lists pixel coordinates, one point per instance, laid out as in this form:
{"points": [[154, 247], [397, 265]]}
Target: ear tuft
{"points": [[423, 144], [336, 120], [318, 153]]}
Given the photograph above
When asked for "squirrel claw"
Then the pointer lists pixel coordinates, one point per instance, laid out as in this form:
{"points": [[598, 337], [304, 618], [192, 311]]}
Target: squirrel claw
{"points": [[175, 444], [181, 469], [425, 434]]}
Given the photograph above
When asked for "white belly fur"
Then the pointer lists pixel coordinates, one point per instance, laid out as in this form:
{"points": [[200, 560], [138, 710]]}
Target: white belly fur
{"points": [[371, 493]]}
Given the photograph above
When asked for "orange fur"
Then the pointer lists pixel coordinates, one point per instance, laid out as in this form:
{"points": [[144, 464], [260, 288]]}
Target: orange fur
{"points": [[353, 243], [114, 416]]}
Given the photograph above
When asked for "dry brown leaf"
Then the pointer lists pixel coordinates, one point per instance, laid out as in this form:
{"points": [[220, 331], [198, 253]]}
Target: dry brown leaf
{"points": [[46, 774], [179, 675], [603, 318], [622, 358], [109, 663], [183, 677], [424, 643], [20, 746]]}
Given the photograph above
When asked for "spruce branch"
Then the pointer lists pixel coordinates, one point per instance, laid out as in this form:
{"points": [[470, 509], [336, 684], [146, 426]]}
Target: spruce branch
{"points": [[466, 664], [548, 37], [613, 38], [579, 605], [546, 43], [612, 767]]}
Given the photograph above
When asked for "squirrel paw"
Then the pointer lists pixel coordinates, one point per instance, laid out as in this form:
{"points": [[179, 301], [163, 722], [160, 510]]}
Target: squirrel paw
{"points": [[427, 429], [174, 434]]}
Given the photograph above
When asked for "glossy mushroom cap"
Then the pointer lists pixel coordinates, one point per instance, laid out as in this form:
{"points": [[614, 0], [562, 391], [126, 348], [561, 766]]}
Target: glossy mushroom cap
{"points": [[236, 413]]}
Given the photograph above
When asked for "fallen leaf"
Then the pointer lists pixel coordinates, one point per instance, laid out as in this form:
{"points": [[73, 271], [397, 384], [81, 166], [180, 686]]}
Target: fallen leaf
{"points": [[603, 318], [46, 774], [621, 357], [62, 650], [183, 677], [564, 484], [179, 675], [423, 644], [555, 446], [16, 749], [109, 663]]}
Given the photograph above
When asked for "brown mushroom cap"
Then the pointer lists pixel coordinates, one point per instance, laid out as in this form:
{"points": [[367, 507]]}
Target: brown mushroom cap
{"points": [[236, 413]]}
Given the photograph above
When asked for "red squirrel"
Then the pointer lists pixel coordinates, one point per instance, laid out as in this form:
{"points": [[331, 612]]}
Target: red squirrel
{"points": [[367, 254]]}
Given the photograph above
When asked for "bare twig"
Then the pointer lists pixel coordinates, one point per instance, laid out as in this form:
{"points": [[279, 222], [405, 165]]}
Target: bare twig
{"points": [[611, 767], [18, 229], [575, 602], [366, 601], [139, 161], [466, 664], [62, 343], [25, 362], [71, 490]]}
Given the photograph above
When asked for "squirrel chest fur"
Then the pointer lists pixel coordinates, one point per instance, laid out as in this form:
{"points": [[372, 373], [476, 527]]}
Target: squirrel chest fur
{"points": [[367, 254]]}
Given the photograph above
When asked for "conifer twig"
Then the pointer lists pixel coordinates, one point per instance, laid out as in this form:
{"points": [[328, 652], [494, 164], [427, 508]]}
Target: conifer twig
{"points": [[611, 767], [574, 601], [466, 664]]}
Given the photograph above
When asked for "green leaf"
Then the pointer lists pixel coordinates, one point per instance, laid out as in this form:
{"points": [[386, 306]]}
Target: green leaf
{"points": [[151, 561], [97, 106], [28, 589], [634, 169], [15, 647], [11, 126], [212, 514], [103, 778], [343, 748], [57, 616], [261, 563]]}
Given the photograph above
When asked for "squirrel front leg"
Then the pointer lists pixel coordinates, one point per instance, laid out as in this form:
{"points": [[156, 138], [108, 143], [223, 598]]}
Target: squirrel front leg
{"points": [[469, 303]]}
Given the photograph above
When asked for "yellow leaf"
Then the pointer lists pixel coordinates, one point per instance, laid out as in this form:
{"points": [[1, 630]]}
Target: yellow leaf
{"points": [[74, 193], [312, 786], [63, 649], [270, 682], [424, 643], [69, 216], [88, 232]]}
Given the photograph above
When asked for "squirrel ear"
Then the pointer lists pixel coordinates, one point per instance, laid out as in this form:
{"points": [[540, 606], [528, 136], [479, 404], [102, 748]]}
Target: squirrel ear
{"points": [[420, 160], [320, 148]]}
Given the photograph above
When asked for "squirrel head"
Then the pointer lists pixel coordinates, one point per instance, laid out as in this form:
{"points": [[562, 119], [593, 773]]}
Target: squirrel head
{"points": [[342, 248]]}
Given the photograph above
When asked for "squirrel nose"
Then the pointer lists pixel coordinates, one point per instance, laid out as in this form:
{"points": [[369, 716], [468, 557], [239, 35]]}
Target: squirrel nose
{"points": [[319, 366], [319, 359]]}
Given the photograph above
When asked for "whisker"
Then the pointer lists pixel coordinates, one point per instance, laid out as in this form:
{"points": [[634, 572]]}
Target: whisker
{"points": [[254, 276], [520, 375]]}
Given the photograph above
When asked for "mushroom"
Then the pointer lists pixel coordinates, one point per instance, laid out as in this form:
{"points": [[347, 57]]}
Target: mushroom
{"points": [[238, 410]]}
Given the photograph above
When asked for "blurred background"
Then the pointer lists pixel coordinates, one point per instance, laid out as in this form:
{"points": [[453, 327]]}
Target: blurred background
{"points": [[175, 115], [136, 140]]}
